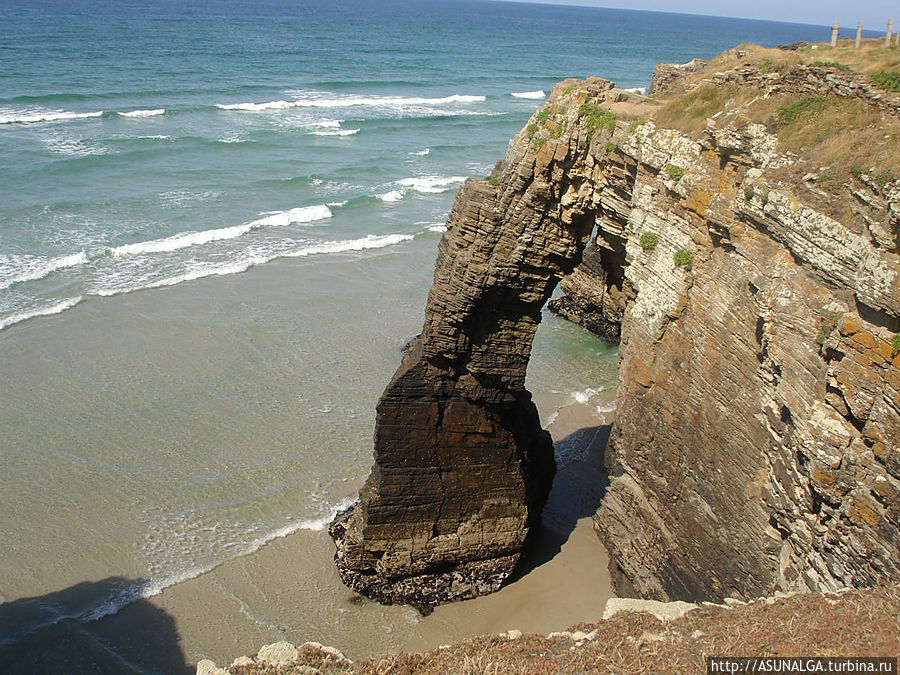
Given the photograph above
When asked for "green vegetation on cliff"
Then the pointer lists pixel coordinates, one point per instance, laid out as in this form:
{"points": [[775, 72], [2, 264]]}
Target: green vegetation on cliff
{"points": [[832, 108], [597, 118]]}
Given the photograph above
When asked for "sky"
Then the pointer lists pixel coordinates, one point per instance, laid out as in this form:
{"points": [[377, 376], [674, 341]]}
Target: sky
{"points": [[873, 13]]}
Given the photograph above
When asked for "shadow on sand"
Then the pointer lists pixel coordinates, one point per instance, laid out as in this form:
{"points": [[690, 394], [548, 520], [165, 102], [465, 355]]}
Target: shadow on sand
{"points": [[580, 483], [61, 633]]}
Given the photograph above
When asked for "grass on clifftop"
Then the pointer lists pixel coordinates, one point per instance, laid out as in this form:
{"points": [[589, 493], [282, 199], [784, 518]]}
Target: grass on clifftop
{"points": [[837, 138], [859, 623]]}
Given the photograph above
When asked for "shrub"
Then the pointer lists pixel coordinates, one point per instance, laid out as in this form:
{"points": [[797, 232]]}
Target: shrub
{"points": [[648, 241], [748, 193], [543, 115], [494, 180], [610, 146], [829, 325], [895, 344], [831, 64], [887, 79], [684, 258], [792, 111], [882, 178], [769, 66], [538, 143], [597, 117], [633, 127], [674, 171], [560, 129], [531, 129]]}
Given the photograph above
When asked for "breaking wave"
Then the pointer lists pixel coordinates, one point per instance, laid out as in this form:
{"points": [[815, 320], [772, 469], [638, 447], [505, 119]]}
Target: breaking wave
{"points": [[529, 94]]}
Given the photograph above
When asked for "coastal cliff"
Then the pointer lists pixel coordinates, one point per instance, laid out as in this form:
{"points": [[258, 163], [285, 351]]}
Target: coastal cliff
{"points": [[756, 292], [756, 439]]}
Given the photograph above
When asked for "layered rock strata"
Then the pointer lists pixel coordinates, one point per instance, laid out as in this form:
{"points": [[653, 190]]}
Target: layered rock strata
{"points": [[667, 75], [462, 466], [758, 426], [757, 438]]}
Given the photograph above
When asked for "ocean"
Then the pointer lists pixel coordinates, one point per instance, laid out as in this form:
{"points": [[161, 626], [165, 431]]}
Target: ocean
{"points": [[218, 222]]}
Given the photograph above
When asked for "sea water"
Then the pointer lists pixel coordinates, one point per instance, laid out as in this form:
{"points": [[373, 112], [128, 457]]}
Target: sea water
{"points": [[218, 222]]}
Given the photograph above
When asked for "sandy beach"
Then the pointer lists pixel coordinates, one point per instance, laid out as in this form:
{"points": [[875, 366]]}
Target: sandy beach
{"points": [[290, 590]]}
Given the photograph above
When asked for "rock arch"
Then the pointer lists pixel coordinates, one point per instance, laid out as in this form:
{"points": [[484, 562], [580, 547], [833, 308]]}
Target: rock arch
{"points": [[462, 466]]}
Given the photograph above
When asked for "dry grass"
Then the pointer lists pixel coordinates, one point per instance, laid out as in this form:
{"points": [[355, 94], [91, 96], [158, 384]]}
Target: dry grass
{"points": [[857, 623], [690, 111], [835, 138], [870, 58], [844, 131]]}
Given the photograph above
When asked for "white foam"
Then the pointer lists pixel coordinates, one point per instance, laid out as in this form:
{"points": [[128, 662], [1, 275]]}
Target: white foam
{"points": [[585, 396], [608, 408], [203, 270], [158, 137], [144, 113], [580, 398], [155, 587], [303, 214], [231, 139], [56, 308], [336, 132], [437, 228], [318, 524], [422, 153], [12, 116], [431, 184], [529, 94], [183, 240], [392, 196], [129, 592], [73, 147], [638, 90], [38, 268], [307, 99], [367, 242], [257, 107]]}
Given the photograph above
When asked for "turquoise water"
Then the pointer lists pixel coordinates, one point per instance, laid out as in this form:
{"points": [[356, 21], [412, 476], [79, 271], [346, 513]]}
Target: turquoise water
{"points": [[218, 222], [143, 144]]}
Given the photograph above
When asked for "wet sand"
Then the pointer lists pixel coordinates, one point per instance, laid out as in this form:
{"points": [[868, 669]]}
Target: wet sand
{"points": [[290, 590]]}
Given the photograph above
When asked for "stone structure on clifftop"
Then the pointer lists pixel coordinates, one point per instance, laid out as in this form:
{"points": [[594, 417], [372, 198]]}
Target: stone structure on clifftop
{"points": [[462, 466]]}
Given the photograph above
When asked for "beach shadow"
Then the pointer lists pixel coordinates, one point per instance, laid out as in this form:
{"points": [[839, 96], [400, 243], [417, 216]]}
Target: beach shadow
{"points": [[58, 633], [578, 488]]}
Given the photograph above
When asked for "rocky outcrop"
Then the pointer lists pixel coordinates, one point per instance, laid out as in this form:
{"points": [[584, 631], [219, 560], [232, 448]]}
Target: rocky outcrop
{"points": [[756, 439], [462, 466], [667, 75], [595, 296]]}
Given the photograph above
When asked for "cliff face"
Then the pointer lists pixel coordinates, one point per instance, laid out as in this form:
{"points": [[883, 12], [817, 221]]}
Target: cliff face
{"points": [[757, 434], [757, 437]]}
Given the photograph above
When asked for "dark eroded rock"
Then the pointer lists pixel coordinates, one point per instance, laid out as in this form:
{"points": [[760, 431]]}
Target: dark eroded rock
{"points": [[462, 466]]}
